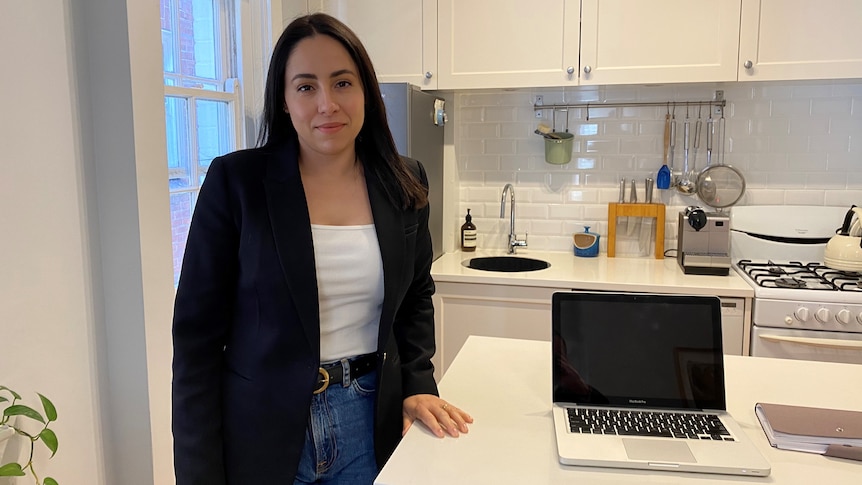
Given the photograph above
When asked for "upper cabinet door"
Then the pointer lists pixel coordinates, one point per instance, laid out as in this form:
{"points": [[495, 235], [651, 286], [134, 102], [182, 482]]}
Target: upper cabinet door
{"points": [[800, 39], [659, 41], [399, 35], [508, 43]]}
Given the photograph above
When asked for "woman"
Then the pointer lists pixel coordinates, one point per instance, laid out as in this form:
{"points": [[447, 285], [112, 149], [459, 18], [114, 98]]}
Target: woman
{"points": [[303, 325]]}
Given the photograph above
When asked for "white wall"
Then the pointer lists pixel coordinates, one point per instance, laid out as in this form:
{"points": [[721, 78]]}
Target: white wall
{"points": [[86, 289], [46, 313]]}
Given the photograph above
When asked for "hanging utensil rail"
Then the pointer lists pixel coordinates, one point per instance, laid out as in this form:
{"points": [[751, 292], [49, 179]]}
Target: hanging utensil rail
{"points": [[720, 103]]}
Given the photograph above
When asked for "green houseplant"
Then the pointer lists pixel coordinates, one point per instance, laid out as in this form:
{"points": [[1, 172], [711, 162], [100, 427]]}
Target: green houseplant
{"points": [[10, 399]]}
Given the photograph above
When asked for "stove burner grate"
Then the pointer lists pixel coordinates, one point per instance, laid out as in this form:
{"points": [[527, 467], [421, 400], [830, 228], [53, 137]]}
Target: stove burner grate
{"points": [[790, 283], [798, 275]]}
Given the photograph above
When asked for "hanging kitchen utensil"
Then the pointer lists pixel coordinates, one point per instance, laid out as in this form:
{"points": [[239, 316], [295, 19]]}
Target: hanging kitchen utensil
{"points": [[558, 144], [663, 177], [698, 129], [685, 185], [673, 176], [719, 185]]}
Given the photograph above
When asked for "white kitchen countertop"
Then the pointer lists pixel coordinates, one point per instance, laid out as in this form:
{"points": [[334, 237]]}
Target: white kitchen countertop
{"points": [[598, 273], [505, 384]]}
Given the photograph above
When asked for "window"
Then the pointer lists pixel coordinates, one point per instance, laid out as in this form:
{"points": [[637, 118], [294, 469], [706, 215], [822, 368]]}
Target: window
{"points": [[203, 103]]}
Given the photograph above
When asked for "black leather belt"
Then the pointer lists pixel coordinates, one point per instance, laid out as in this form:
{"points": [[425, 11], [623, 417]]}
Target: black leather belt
{"points": [[344, 371]]}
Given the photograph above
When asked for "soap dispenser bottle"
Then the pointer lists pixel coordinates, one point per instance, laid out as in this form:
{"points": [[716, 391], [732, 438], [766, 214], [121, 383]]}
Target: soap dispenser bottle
{"points": [[468, 234]]}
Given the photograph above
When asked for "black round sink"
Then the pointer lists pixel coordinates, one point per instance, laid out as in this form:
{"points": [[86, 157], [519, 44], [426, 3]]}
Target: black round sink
{"points": [[506, 264]]}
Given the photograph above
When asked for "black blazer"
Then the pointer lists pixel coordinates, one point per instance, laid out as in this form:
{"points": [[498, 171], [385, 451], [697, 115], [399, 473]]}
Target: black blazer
{"points": [[246, 326]]}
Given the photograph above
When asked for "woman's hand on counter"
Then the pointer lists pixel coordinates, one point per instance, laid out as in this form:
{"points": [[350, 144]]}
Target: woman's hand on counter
{"points": [[436, 414]]}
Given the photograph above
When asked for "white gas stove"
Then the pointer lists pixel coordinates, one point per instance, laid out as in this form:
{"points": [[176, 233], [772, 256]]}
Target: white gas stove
{"points": [[802, 309]]}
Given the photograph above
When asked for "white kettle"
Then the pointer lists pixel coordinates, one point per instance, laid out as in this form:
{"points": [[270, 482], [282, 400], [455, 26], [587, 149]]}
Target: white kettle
{"points": [[844, 250]]}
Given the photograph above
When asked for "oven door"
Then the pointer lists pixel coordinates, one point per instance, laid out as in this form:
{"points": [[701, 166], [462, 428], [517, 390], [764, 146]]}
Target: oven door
{"points": [[784, 343]]}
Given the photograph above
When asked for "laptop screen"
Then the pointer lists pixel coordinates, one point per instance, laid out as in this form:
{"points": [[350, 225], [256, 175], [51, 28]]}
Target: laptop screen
{"points": [[638, 350]]}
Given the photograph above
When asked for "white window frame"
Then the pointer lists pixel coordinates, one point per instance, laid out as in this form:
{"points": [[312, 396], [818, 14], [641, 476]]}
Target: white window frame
{"points": [[257, 25]]}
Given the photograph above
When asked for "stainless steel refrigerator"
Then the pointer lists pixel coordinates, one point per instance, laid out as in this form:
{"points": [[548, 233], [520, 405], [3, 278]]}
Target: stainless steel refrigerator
{"points": [[416, 119]]}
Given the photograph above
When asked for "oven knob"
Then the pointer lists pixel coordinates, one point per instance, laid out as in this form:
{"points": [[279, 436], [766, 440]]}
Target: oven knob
{"points": [[802, 314], [823, 315], [843, 316], [859, 318]]}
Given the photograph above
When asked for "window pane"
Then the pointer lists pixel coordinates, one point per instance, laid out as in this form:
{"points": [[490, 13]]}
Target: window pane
{"points": [[182, 205], [170, 36], [214, 128], [199, 49], [177, 122]]}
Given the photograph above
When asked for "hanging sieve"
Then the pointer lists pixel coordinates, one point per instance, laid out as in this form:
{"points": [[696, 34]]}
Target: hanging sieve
{"points": [[719, 185], [558, 149]]}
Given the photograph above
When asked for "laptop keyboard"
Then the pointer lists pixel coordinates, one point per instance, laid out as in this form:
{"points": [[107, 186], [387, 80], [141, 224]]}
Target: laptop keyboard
{"points": [[666, 424]]}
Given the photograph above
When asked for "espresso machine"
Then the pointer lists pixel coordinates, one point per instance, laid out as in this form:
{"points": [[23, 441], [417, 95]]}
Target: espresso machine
{"points": [[703, 242]]}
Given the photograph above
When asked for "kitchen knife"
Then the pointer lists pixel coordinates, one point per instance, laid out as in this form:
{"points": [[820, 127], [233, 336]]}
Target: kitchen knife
{"points": [[632, 224], [647, 223], [625, 220]]}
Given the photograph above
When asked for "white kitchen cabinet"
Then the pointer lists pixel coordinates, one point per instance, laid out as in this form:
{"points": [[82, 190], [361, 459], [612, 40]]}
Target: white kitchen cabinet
{"points": [[399, 35], [800, 39], [508, 43], [524, 312], [667, 41], [463, 309]]}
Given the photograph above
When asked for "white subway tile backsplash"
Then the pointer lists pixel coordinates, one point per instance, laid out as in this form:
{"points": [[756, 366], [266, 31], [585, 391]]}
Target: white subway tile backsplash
{"points": [[806, 162], [805, 197], [791, 107], [796, 143], [809, 126], [807, 91], [839, 106], [499, 147]]}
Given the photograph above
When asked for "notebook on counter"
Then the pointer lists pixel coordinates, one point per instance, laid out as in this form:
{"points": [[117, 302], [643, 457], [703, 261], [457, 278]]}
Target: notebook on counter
{"points": [[810, 429], [638, 382]]}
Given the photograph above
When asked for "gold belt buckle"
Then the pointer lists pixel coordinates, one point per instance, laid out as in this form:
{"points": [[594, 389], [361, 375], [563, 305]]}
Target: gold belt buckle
{"points": [[325, 382]]}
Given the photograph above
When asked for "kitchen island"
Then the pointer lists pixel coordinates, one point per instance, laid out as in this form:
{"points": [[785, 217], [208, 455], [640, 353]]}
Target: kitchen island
{"points": [[505, 384], [518, 305]]}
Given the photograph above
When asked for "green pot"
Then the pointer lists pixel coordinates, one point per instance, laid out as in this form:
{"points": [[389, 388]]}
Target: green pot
{"points": [[559, 151]]}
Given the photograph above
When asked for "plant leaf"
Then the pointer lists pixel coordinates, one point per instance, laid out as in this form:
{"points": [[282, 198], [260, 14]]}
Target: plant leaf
{"points": [[11, 470], [50, 410], [21, 410], [14, 394], [3, 399], [50, 481], [50, 440]]}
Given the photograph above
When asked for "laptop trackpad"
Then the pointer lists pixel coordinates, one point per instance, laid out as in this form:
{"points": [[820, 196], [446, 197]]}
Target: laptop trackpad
{"points": [[658, 450]]}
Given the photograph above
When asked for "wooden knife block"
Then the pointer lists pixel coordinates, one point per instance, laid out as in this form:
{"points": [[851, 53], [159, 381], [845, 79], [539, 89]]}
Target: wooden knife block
{"points": [[655, 211]]}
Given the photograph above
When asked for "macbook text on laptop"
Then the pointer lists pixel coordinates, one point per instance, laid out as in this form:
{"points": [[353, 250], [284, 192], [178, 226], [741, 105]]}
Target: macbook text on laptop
{"points": [[638, 382]]}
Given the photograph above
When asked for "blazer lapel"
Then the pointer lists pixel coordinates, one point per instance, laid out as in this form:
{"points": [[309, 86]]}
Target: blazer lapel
{"points": [[389, 224], [291, 228]]}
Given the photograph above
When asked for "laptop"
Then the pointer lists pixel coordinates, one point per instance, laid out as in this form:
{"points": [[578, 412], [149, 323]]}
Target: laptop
{"points": [[638, 382]]}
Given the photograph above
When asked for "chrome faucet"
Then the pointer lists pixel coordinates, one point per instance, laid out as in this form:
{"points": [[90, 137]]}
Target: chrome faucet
{"points": [[513, 238]]}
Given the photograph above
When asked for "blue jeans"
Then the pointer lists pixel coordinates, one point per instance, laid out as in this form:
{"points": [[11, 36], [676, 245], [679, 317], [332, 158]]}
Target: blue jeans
{"points": [[339, 440]]}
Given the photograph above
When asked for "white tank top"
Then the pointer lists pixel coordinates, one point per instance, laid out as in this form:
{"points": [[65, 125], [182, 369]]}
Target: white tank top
{"points": [[349, 289]]}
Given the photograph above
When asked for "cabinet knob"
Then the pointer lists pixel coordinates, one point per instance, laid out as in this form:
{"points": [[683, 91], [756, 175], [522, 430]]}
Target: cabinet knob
{"points": [[429, 75], [747, 64], [570, 70], [587, 69]]}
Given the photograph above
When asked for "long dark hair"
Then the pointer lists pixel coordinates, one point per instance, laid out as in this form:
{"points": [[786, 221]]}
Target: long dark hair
{"points": [[374, 145]]}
